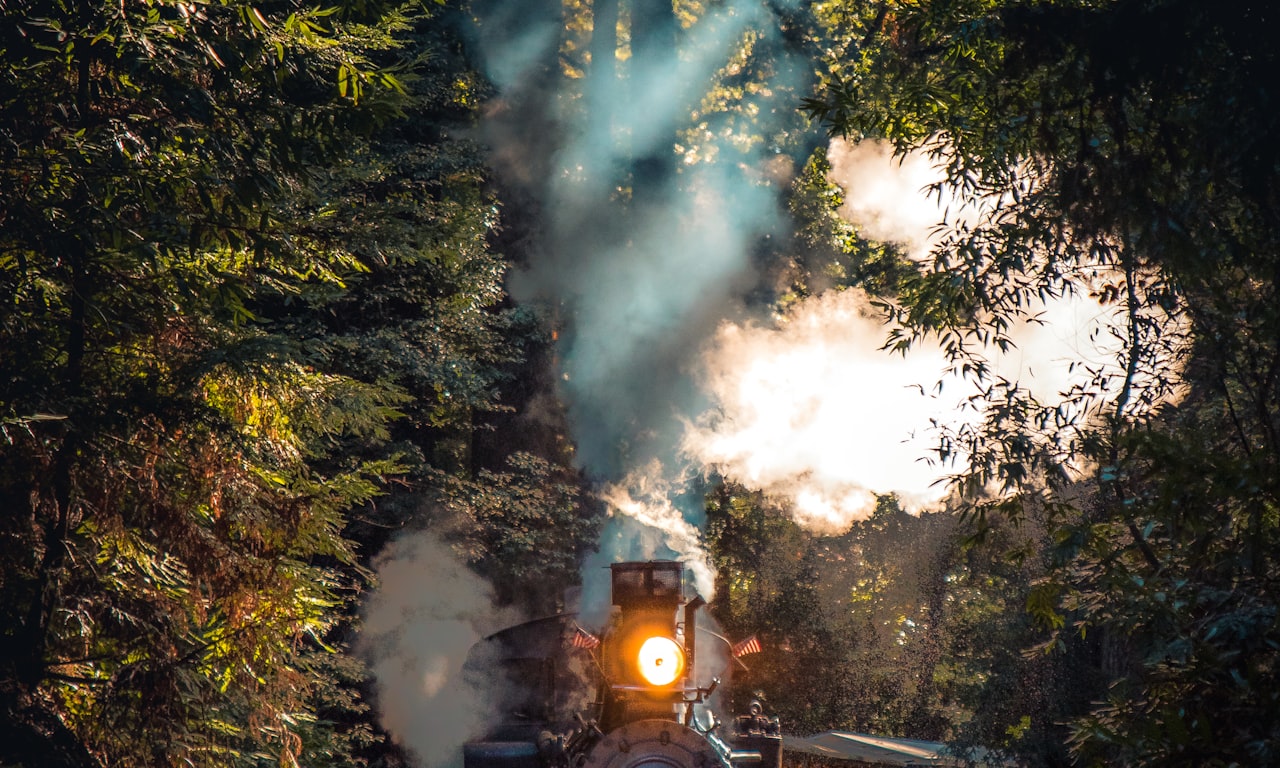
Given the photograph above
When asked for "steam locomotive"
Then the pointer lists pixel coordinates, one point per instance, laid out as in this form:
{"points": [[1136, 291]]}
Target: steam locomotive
{"points": [[624, 700]]}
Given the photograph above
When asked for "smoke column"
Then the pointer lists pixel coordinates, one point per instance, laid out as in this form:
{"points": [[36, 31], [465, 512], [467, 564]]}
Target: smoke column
{"points": [[641, 253]]}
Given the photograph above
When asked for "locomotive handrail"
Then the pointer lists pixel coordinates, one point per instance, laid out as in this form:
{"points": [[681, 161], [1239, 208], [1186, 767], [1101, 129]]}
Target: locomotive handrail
{"points": [[650, 689]]}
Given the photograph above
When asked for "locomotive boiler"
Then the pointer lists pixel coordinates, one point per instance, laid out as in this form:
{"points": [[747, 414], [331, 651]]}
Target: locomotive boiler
{"points": [[628, 699]]}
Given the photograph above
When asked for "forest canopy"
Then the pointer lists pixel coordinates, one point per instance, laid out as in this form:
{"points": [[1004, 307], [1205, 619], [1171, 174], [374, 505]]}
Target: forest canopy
{"points": [[265, 276]]}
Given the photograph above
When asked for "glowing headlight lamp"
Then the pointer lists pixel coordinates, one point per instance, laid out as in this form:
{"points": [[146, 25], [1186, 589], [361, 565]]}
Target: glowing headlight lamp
{"points": [[661, 660]]}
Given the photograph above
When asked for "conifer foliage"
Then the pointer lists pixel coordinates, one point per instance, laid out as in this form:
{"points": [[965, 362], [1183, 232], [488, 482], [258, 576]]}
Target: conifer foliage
{"points": [[193, 215]]}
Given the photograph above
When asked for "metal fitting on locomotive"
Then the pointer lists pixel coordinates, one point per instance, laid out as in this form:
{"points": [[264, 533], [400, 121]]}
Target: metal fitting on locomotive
{"points": [[642, 674]]}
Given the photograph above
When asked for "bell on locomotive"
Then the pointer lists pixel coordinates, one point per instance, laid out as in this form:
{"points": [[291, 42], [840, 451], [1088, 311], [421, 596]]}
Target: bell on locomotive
{"points": [[626, 698]]}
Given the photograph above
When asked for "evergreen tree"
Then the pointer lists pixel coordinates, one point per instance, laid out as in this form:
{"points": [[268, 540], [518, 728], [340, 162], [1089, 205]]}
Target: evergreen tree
{"points": [[1125, 149]]}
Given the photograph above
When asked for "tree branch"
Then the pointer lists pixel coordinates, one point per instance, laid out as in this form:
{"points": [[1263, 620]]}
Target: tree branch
{"points": [[1132, 305]]}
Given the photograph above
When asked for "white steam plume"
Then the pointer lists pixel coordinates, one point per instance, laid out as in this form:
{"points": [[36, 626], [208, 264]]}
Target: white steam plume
{"points": [[886, 195], [425, 615], [646, 498], [813, 410]]}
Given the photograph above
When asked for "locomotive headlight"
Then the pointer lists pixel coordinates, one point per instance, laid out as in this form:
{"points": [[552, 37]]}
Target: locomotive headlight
{"points": [[661, 660]]}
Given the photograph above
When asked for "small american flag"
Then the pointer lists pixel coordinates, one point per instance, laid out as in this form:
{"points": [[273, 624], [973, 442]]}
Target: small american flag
{"points": [[584, 639], [750, 645]]}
